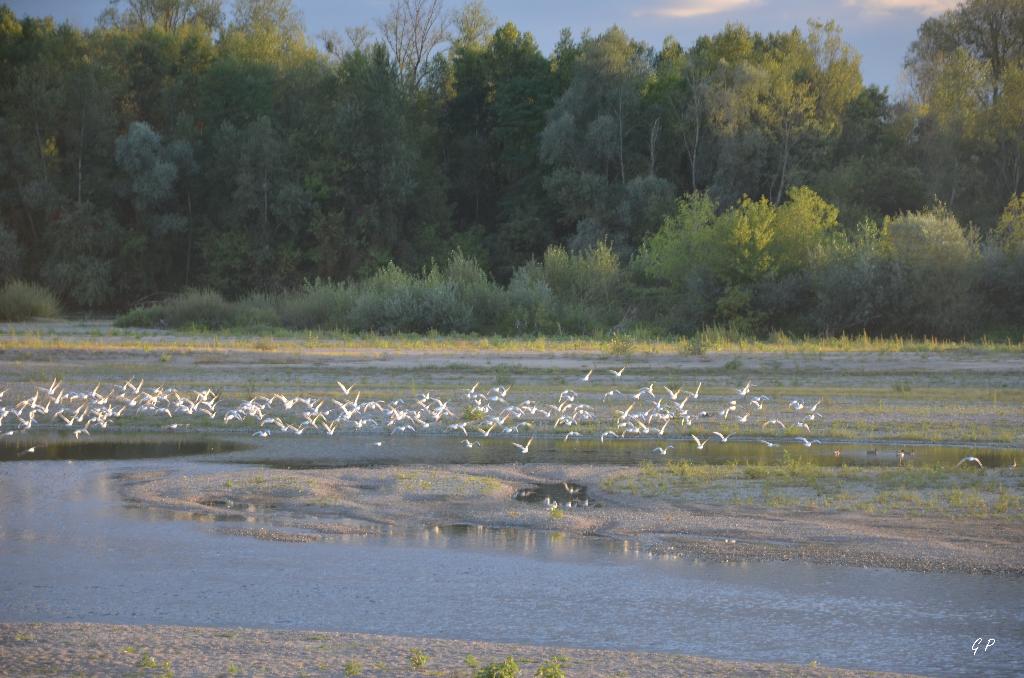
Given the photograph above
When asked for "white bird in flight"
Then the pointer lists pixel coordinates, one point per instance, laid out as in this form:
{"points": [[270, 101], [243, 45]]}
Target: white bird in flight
{"points": [[586, 377], [700, 445], [524, 448], [619, 372], [662, 450], [970, 460]]}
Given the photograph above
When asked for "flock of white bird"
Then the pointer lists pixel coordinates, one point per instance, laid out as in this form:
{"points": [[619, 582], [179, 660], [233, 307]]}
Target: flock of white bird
{"points": [[482, 412], [652, 411]]}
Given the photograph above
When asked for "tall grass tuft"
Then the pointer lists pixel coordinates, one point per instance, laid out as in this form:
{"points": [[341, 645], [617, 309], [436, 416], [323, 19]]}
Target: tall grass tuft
{"points": [[22, 301]]}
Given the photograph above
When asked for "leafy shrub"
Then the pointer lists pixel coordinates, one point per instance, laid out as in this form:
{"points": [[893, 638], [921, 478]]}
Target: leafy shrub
{"points": [[205, 309], [935, 270], [317, 305], [506, 669], [552, 668], [22, 301]]}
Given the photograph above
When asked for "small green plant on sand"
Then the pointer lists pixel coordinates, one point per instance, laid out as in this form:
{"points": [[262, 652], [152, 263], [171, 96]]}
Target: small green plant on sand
{"points": [[621, 345], [505, 669], [552, 668], [418, 658], [471, 661], [353, 668]]}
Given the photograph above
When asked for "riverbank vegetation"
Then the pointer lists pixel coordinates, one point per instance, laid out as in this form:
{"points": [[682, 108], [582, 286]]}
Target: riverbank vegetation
{"points": [[200, 167]]}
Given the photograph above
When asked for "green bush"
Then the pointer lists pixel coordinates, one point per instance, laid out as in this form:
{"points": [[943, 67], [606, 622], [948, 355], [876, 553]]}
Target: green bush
{"points": [[317, 305], [205, 309], [552, 668], [22, 301], [936, 265], [505, 669]]}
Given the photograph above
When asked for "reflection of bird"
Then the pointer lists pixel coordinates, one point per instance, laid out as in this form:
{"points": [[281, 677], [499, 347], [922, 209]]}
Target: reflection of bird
{"points": [[969, 460], [769, 444], [524, 448], [28, 451], [806, 442]]}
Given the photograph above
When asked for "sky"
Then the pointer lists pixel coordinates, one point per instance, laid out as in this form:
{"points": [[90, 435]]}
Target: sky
{"points": [[881, 30]]}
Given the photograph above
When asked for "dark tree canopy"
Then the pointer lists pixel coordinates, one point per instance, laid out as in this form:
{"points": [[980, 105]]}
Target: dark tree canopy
{"points": [[199, 143]]}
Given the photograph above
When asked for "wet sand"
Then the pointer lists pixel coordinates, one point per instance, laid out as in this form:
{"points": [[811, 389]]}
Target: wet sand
{"points": [[309, 505]]}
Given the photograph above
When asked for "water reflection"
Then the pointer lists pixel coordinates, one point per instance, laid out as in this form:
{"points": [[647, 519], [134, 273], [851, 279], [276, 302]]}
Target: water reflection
{"points": [[358, 450], [54, 446], [70, 551], [361, 450]]}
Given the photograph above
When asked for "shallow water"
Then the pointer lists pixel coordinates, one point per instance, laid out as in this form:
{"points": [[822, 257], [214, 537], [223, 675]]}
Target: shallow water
{"points": [[313, 451], [71, 550], [116, 446]]}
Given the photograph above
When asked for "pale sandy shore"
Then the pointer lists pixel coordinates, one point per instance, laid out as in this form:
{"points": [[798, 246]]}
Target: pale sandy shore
{"points": [[319, 504], [78, 649]]}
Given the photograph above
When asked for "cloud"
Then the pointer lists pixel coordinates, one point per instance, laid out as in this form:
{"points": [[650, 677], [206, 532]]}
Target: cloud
{"points": [[886, 7], [684, 9]]}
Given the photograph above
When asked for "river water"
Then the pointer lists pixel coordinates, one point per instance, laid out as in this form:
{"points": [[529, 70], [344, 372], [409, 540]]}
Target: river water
{"points": [[72, 550]]}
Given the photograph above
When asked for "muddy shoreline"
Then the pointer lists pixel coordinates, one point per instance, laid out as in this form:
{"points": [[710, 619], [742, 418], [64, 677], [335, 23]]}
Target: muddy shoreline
{"points": [[314, 505]]}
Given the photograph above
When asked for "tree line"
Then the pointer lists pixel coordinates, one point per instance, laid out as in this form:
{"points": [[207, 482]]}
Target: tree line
{"points": [[749, 179]]}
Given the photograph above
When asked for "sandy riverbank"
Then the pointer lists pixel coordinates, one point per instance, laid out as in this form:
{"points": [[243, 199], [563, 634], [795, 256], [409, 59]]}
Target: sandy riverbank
{"points": [[77, 649], [316, 504]]}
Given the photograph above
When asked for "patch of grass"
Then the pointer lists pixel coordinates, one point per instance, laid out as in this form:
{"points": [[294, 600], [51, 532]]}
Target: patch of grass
{"points": [[472, 413], [901, 387], [733, 365], [418, 658], [621, 345], [506, 669], [552, 668], [23, 301], [557, 513], [471, 661], [353, 668]]}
